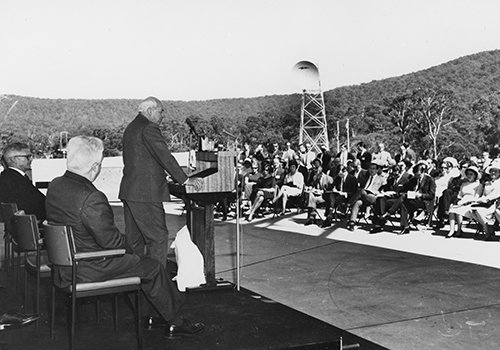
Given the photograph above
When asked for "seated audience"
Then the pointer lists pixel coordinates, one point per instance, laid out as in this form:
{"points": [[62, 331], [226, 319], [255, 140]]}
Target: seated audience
{"points": [[344, 186], [389, 194], [73, 200], [15, 184], [344, 155], [470, 191], [483, 211], [382, 156], [264, 188], [293, 185], [289, 154], [367, 194], [364, 156], [419, 193], [318, 183], [447, 195]]}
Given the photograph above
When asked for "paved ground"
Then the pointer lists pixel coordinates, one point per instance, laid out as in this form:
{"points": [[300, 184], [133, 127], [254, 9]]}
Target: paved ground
{"points": [[418, 291]]}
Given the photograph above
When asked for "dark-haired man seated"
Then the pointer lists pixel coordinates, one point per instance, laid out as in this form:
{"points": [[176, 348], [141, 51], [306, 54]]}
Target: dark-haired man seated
{"points": [[389, 194], [344, 187], [317, 184], [16, 186], [73, 200], [367, 194], [419, 193]]}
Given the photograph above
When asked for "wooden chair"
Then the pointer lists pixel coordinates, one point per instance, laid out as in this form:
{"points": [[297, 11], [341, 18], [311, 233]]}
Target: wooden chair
{"points": [[8, 210], [30, 244], [62, 253]]}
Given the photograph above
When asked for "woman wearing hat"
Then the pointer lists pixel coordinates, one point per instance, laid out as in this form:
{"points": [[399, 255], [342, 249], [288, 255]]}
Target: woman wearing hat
{"points": [[470, 191], [483, 212]]}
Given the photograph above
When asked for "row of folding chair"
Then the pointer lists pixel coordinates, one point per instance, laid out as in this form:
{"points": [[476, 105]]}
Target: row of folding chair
{"points": [[56, 248]]}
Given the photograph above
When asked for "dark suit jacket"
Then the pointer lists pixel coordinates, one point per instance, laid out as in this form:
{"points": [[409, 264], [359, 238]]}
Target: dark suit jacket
{"points": [[365, 158], [427, 187], [73, 200], [146, 157], [350, 185], [15, 188], [395, 184]]}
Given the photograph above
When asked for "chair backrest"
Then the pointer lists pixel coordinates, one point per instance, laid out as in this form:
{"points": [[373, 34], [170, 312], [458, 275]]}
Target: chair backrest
{"points": [[58, 244], [8, 210], [27, 233]]}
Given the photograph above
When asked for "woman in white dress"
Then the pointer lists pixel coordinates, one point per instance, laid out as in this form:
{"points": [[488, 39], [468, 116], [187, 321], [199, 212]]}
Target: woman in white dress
{"points": [[484, 211], [470, 191]]}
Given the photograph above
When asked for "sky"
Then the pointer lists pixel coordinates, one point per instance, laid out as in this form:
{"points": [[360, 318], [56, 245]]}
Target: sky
{"points": [[210, 49]]}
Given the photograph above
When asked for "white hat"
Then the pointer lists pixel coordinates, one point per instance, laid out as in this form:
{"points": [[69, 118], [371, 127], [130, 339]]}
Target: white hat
{"points": [[452, 161]]}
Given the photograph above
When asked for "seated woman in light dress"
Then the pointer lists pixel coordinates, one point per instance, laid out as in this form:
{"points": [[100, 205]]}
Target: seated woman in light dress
{"points": [[484, 211], [470, 191], [293, 185]]}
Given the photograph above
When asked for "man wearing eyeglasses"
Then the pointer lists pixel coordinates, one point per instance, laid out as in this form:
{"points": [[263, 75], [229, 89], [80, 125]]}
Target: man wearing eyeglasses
{"points": [[15, 184]]}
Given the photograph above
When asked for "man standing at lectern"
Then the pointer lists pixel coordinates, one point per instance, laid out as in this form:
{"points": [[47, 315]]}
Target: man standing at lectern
{"points": [[144, 187]]}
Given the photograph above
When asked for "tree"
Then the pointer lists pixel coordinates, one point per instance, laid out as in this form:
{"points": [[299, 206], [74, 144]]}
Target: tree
{"points": [[432, 113], [399, 111]]}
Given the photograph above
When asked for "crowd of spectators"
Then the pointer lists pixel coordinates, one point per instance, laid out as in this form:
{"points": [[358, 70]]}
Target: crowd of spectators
{"points": [[358, 183]]}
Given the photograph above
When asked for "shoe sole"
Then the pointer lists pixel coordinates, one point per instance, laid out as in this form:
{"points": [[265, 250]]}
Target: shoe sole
{"points": [[184, 335]]}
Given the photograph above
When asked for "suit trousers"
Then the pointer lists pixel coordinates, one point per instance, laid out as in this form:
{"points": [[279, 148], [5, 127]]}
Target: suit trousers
{"points": [[408, 208], [146, 229], [364, 198], [156, 284]]}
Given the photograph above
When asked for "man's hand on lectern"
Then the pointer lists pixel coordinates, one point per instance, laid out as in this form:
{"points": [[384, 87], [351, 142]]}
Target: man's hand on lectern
{"points": [[196, 182]]}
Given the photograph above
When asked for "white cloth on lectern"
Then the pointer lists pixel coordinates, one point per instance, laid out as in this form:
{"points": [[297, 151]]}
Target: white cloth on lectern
{"points": [[190, 263]]}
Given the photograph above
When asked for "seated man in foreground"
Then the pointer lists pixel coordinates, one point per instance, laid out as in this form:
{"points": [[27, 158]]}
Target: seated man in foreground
{"points": [[73, 200], [16, 186]]}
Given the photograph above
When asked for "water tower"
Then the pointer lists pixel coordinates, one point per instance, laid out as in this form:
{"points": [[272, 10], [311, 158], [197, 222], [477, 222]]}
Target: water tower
{"points": [[312, 114]]}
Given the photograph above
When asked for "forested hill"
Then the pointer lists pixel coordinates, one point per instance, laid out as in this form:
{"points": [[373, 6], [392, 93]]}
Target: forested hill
{"points": [[471, 82], [469, 77]]}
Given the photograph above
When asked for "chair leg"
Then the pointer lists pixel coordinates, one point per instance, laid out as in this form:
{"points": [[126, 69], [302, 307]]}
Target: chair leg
{"points": [[52, 310], [115, 311], [25, 290], [37, 292], [98, 310], [138, 317], [73, 312]]}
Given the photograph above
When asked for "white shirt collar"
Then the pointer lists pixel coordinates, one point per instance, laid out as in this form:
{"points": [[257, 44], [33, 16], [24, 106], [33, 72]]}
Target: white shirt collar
{"points": [[18, 170]]}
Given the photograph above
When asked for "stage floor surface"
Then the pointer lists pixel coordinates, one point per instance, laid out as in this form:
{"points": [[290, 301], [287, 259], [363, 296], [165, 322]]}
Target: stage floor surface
{"points": [[417, 291]]}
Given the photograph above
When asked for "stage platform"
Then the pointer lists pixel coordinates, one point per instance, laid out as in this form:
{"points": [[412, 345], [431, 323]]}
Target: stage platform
{"points": [[234, 320], [418, 291]]}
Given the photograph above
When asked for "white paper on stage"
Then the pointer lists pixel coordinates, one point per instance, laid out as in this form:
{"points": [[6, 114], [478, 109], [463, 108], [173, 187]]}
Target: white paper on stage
{"points": [[191, 266]]}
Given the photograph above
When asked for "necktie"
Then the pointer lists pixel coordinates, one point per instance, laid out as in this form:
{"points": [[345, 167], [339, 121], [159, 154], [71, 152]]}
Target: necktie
{"points": [[369, 182], [418, 185], [342, 184]]}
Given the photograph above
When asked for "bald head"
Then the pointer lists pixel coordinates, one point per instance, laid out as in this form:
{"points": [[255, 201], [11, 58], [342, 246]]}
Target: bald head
{"points": [[152, 108]]}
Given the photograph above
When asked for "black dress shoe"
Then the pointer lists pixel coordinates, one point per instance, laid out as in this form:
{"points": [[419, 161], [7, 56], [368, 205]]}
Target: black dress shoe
{"points": [[186, 329], [376, 229], [439, 225], [350, 225], [151, 322], [327, 223], [404, 231], [14, 318], [310, 222]]}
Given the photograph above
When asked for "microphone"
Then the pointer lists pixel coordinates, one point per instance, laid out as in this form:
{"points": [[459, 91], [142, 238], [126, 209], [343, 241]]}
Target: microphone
{"points": [[192, 129]]}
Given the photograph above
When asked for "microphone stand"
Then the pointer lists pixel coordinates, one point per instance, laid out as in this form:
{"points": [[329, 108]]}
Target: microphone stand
{"points": [[238, 232]]}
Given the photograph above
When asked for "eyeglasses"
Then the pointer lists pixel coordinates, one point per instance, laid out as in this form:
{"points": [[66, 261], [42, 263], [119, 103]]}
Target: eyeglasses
{"points": [[27, 156]]}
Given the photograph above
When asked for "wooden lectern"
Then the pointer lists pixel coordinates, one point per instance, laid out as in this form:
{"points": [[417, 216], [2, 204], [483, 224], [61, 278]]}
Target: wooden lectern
{"points": [[217, 185]]}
